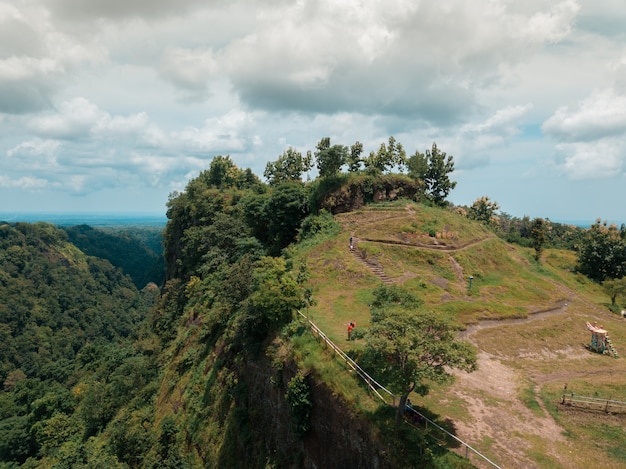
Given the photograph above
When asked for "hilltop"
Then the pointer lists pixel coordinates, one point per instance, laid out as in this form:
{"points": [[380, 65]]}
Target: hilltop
{"points": [[526, 318], [225, 371]]}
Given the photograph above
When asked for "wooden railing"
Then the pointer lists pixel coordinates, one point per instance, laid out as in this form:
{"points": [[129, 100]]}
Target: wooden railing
{"points": [[594, 403]]}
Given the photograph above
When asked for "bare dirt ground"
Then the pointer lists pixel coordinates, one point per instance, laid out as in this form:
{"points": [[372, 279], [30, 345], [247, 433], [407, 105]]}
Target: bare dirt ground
{"points": [[495, 417], [515, 433], [499, 418]]}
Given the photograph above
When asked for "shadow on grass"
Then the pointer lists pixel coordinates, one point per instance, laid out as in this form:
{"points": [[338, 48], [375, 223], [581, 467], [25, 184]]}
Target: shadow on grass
{"points": [[416, 442]]}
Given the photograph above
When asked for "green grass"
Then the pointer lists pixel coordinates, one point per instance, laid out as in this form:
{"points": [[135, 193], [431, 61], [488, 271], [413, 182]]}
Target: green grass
{"points": [[508, 284], [529, 398]]}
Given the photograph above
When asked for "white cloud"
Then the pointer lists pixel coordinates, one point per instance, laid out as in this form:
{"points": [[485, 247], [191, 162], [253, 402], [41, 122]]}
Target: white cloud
{"points": [[28, 183], [592, 160], [34, 147], [602, 114], [142, 94], [80, 10], [423, 60], [190, 70], [228, 133], [552, 25], [74, 119], [82, 148], [37, 57], [504, 123]]}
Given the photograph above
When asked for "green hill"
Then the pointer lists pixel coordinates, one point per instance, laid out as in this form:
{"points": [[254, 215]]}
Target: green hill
{"points": [[527, 319], [137, 251], [225, 370], [70, 355], [234, 358]]}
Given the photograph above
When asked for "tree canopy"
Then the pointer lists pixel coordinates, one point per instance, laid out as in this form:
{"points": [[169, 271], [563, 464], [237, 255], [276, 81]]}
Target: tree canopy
{"points": [[408, 347], [438, 183], [289, 167], [329, 158], [483, 210], [602, 252]]}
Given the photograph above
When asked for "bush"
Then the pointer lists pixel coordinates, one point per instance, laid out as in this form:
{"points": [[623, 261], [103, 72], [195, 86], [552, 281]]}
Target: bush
{"points": [[318, 224], [299, 398]]}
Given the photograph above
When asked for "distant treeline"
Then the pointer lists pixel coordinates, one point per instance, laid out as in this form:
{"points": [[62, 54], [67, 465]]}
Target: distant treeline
{"points": [[138, 251]]}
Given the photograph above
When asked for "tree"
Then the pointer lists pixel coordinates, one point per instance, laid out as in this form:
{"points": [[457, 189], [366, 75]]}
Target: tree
{"points": [[483, 210], [329, 158], [438, 184], [602, 252], [417, 166], [354, 158], [538, 229], [614, 288], [275, 296], [386, 157], [289, 167], [299, 398], [284, 211], [220, 172], [410, 348]]}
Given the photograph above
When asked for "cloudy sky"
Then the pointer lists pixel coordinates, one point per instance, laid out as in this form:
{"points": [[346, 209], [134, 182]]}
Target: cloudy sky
{"points": [[110, 105]]}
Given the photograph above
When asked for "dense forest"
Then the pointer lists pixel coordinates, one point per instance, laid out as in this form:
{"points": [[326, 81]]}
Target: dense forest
{"points": [[137, 251], [70, 356], [112, 358]]}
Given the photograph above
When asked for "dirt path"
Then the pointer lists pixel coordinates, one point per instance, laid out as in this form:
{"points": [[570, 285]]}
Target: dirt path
{"points": [[500, 410], [503, 418], [492, 396]]}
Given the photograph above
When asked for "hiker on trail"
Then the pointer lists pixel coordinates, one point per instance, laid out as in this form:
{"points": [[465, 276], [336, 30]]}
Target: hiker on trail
{"points": [[351, 326], [351, 245]]}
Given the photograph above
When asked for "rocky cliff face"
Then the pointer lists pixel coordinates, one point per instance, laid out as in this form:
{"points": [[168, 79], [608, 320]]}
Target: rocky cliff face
{"points": [[337, 437], [356, 194]]}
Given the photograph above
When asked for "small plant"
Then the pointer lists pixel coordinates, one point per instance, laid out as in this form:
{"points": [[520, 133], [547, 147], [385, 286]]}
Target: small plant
{"points": [[299, 398]]}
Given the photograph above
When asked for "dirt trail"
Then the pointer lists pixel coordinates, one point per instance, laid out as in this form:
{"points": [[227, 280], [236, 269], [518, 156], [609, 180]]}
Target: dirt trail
{"points": [[502, 418], [499, 421], [492, 400]]}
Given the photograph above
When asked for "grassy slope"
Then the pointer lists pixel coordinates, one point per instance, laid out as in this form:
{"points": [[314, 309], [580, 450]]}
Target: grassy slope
{"points": [[507, 284]]}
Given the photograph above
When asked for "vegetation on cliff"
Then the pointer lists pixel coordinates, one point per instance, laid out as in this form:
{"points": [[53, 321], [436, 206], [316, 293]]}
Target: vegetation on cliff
{"points": [[217, 369]]}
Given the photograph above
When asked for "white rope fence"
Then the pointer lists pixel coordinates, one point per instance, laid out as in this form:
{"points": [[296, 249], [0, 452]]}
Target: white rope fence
{"points": [[377, 388]]}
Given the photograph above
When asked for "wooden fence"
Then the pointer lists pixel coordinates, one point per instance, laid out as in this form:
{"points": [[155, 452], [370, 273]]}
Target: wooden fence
{"points": [[594, 403], [387, 396]]}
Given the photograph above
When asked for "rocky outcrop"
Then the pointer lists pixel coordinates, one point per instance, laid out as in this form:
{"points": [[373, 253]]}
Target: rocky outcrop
{"points": [[337, 437], [362, 191]]}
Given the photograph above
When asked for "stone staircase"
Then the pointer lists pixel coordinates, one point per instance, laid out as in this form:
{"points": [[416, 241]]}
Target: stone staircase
{"points": [[371, 263]]}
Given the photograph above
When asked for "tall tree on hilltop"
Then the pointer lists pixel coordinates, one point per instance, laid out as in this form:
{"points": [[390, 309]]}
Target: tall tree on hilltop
{"points": [[538, 233], [438, 183], [329, 158], [483, 210], [289, 167], [417, 166], [284, 211], [224, 173], [354, 158], [615, 287], [386, 158]]}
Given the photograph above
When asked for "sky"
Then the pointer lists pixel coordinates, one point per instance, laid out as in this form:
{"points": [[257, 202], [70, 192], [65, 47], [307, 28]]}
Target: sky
{"points": [[112, 105]]}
